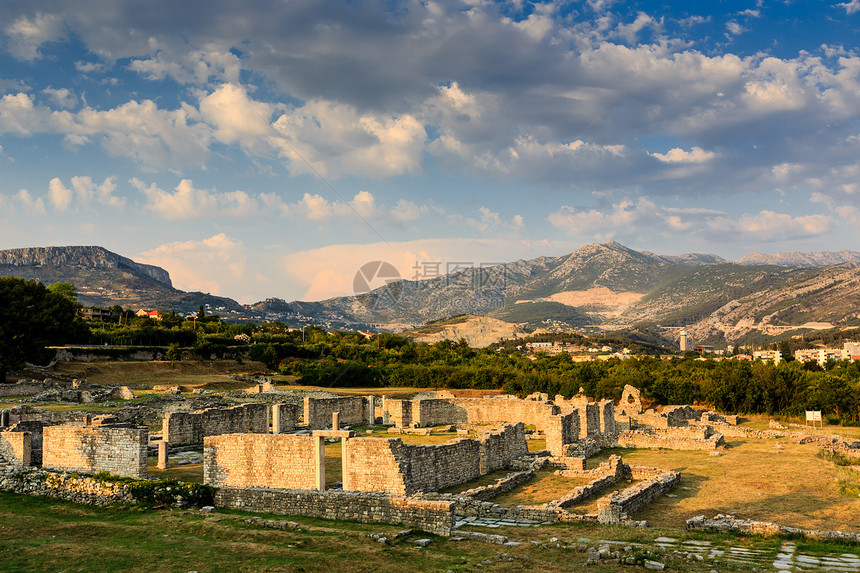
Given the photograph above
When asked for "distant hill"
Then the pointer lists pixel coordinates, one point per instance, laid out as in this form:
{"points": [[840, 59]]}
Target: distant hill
{"points": [[598, 288], [796, 259], [104, 278], [478, 331]]}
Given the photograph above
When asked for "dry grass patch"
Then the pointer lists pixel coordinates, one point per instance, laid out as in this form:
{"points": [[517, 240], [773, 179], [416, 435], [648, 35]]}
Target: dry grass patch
{"points": [[543, 488], [766, 480]]}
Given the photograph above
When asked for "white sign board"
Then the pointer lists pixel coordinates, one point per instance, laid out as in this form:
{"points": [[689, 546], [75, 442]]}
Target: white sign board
{"points": [[813, 416]]}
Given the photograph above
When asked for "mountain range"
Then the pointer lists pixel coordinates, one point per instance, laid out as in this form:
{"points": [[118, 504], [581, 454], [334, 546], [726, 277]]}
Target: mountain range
{"points": [[598, 287]]}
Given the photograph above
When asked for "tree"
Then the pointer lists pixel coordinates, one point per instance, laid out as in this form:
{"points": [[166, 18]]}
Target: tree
{"points": [[174, 353], [31, 318], [65, 290]]}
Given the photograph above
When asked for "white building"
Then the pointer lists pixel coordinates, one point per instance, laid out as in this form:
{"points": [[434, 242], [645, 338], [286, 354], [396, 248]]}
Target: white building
{"points": [[686, 341]]}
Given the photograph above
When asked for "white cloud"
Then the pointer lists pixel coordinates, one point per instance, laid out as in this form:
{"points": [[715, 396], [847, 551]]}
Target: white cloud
{"points": [[26, 34], [31, 205], [407, 210], [678, 155], [59, 194], [734, 28], [189, 202], [61, 97], [770, 226], [85, 190], [236, 117], [192, 66], [335, 140], [216, 265], [850, 7]]}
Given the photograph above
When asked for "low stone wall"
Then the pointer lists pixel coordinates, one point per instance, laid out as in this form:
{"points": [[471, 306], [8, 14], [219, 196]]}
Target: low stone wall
{"points": [[437, 412], [23, 413], [352, 411], [617, 507], [15, 448], [77, 489], [25, 388], [432, 516], [669, 440], [92, 449], [730, 523], [500, 486], [192, 427], [263, 460]]}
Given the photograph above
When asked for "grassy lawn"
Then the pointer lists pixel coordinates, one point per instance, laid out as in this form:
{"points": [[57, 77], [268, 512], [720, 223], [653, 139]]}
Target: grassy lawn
{"points": [[42, 534]]}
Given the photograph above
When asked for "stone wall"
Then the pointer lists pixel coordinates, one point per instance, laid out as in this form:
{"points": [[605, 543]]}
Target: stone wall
{"points": [[23, 413], [35, 429], [318, 411], [500, 486], [562, 430], [25, 388], [589, 420], [15, 448], [77, 489], [669, 439], [724, 523], [432, 516], [398, 412], [285, 418], [506, 409], [437, 412], [617, 507], [92, 449], [607, 416], [263, 460], [389, 465], [192, 427]]}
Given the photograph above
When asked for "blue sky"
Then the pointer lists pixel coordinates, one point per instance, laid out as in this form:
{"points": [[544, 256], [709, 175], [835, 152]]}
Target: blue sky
{"points": [[271, 150]]}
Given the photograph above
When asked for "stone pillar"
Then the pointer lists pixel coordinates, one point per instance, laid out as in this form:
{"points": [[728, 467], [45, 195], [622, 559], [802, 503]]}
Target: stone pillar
{"points": [[335, 421], [163, 462], [319, 457], [344, 464], [276, 419], [385, 417], [371, 411], [4, 418]]}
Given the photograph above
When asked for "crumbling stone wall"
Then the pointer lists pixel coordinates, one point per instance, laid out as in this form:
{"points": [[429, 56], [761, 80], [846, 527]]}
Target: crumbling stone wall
{"points": [[192, 427], [631, 401], [398, 412], [25, 388], [263, 460], [35, 429], [23, 413], [607, 416], [432, 516], [671, 438], [15, 448], [617, 507], [562, 430], [499, 447], [318, 411], [93, 449], [589, 420]]}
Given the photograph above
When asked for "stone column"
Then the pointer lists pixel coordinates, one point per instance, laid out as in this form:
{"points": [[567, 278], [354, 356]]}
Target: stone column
{"points": [[335, 421], [344, 464], [371, 411], [163, 462], [319, 457], [385, 420], [276, 419]]}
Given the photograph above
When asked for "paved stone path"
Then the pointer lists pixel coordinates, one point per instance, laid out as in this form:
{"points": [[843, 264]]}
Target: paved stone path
{"points": [[493, 522]]}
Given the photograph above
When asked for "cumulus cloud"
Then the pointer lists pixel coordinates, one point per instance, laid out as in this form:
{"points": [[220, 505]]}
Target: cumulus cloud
{"points": [[770, 226], [850, 7], [27, 34], [85, 190], [193, 66], [62, 97], [189, 202], [678, 155], [216, 265]]}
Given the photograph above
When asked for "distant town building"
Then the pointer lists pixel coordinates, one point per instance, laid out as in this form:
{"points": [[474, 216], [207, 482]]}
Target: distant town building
{"points": [[686, 341], [851, 351], [153, 314], [774, 356], [96, 314]]}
